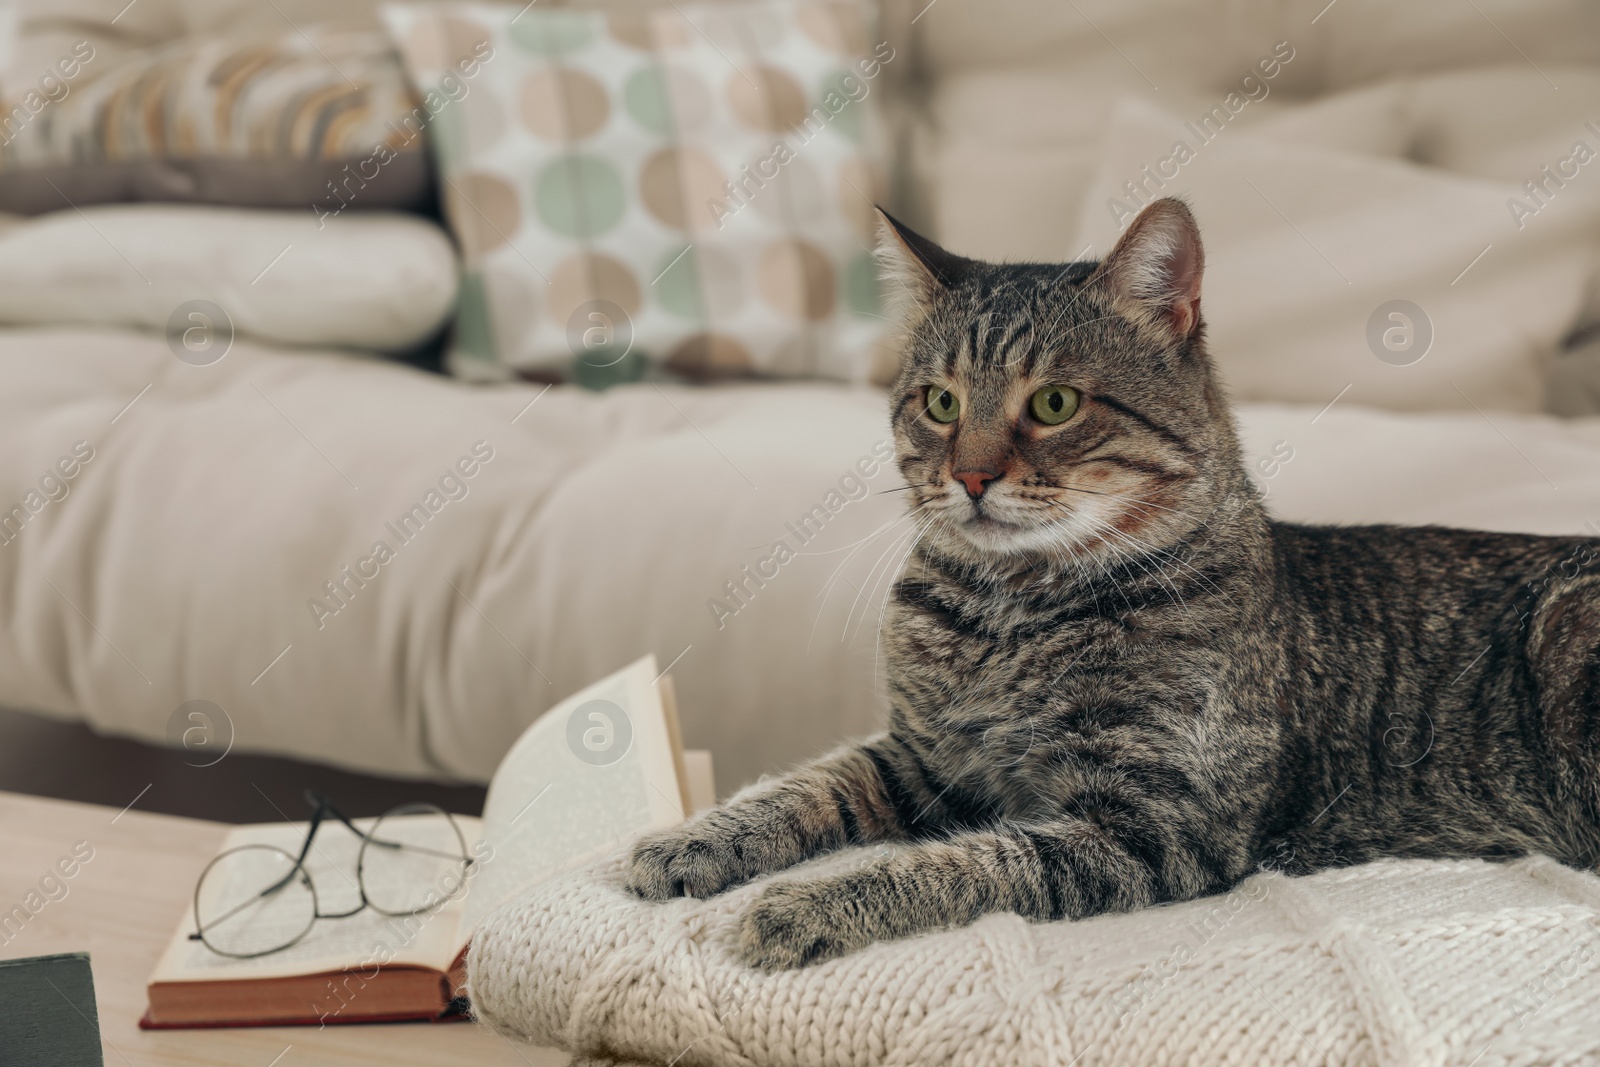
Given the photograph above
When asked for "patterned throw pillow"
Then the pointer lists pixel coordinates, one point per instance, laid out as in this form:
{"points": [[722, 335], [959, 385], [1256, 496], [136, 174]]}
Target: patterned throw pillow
{"points": [[315, 120], [684, 192]]}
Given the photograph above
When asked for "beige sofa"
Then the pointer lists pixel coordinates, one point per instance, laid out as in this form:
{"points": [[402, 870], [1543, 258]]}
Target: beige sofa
{"points": [[187, 558]]}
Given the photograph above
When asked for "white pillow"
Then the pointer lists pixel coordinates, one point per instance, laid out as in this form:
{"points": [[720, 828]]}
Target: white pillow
{"points": [[1371, 121], [1503, 123], [1304, 246], [1506, 124], [1017, 149], [375, 281]]}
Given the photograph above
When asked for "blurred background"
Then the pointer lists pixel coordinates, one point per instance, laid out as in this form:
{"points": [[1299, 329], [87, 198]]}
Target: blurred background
{"points": [[374, 376]]}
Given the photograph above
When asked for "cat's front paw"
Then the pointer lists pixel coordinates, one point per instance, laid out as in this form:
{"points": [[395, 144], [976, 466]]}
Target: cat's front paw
{"points": [[686, 861], [795, 924]]}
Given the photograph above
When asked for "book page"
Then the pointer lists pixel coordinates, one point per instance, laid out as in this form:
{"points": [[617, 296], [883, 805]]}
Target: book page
{"points": [[366, 940], [590, 773], [668, 695], [701, 780]]}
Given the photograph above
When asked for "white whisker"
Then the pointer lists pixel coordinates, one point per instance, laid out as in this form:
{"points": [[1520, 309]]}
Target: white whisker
{"points": [[865, 582], [827, 586], [877, 649]]}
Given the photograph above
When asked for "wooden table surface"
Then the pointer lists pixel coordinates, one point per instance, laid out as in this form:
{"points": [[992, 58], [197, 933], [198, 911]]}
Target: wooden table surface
{"points": [[123, 905]]}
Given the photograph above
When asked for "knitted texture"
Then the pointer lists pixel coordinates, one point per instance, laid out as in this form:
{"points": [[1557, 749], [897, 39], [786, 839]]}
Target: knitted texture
{"points": [[1404, 962]]}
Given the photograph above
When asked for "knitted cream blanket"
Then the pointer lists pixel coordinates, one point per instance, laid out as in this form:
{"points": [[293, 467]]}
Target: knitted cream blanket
{"points": [[1408, 963]]}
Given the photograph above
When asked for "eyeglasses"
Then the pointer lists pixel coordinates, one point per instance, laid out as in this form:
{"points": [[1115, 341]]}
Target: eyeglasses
{"points": [[254, 900]]}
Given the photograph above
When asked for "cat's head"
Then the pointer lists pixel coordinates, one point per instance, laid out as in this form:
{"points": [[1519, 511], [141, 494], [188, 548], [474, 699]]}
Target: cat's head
{"points": [[1065, 409]]}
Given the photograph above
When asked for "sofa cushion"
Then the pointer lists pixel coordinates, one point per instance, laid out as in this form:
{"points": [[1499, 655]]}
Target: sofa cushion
{"points": [[223, 500], [181, 560], [1115, 47]]}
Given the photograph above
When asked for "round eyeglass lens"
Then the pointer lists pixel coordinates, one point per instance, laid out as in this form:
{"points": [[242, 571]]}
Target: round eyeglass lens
{"points": [[253, 900], [414, 860]]}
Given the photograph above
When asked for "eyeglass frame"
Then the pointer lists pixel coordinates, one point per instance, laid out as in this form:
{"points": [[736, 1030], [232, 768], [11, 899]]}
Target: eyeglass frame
{"points": [[322, 809]]}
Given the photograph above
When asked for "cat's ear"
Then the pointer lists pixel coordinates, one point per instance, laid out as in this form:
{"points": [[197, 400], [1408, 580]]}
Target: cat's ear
{"points": [[914, 268], [1153, 274]]}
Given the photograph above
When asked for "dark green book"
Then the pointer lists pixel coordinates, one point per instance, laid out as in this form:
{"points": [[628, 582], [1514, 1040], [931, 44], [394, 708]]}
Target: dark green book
{"points": [[48, 1018]]}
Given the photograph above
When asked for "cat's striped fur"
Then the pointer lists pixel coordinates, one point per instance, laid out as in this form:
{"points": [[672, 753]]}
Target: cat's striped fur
{"points": [[1116, 682]]}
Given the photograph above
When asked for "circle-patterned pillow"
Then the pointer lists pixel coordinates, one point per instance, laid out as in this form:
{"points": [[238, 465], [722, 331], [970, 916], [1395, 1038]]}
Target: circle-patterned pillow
{"points": [[686, 191]]}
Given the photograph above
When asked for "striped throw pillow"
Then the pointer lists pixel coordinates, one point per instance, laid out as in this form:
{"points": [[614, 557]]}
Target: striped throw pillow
{"points": [[319, 120]]}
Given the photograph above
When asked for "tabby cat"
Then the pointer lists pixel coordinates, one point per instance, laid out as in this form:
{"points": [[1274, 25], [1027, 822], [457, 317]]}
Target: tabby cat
{"points": [[1115, 681]]}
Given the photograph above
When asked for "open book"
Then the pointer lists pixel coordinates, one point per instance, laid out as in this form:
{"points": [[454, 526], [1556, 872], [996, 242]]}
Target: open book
{"points": [[593, 771]]}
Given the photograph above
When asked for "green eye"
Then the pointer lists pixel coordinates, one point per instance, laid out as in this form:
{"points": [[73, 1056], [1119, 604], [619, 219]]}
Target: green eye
{"points": [[1054, 404], [942, 404]]}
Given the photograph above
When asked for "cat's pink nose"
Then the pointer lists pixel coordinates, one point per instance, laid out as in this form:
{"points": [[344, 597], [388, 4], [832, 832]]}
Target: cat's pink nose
{"points": [[974, 481]]}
